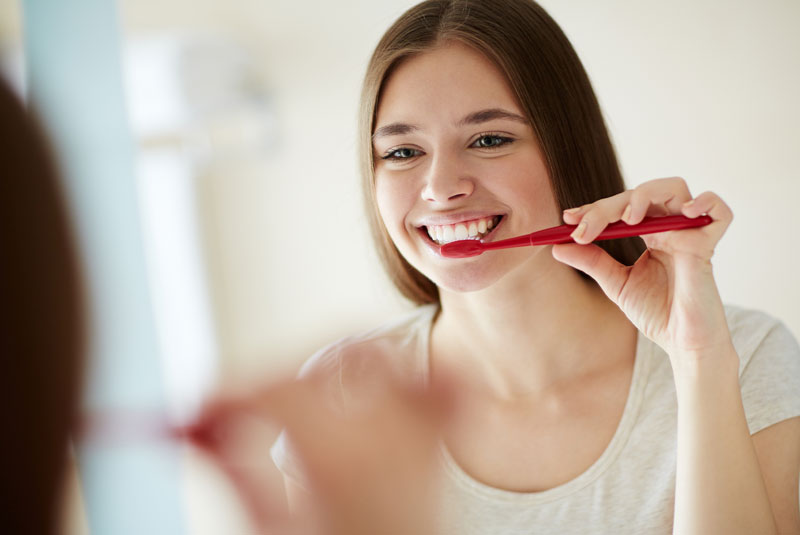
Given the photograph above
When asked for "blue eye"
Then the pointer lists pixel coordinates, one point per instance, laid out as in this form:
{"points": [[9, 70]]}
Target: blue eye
{"points": [[403, 153], [491, 141]]}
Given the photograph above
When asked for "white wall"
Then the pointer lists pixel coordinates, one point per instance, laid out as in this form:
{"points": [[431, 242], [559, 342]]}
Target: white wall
{"points": [[704, 90]]}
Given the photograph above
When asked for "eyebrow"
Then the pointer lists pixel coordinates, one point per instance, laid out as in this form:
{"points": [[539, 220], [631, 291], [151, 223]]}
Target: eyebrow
{"points": [[484, 116], [394, 129], [478, 117]]}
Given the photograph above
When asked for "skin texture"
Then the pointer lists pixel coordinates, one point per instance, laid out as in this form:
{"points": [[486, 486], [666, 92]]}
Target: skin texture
{"points": [[451, 177], [528, 340]]}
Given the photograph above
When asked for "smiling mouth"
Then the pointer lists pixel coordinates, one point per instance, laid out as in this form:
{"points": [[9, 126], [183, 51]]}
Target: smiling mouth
{"points": [[466, 230]]}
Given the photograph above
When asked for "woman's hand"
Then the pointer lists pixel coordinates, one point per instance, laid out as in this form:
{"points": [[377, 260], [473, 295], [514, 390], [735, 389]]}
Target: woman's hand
{"points": [[669, 293], [369, 472]]}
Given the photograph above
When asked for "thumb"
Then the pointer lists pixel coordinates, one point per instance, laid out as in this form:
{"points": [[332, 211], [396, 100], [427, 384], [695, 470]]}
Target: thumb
{"points": [[595, 262]]}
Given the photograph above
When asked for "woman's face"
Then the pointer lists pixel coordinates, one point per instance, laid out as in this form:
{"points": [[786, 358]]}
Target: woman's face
{"points": [[456, 158]]}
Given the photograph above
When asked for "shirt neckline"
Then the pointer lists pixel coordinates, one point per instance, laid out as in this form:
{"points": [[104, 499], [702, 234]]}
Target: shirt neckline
{"points": [[630, 413]]}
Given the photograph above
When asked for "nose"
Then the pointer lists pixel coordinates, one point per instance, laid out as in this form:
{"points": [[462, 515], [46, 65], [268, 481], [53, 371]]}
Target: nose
{"points": [[446, 182]]}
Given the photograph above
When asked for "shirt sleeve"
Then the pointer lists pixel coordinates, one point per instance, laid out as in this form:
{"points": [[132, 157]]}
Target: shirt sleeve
{"points": [[770, 374]]}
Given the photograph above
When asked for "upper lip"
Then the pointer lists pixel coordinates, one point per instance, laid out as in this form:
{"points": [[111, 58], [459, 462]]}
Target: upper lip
{"points": [[454, 218]]}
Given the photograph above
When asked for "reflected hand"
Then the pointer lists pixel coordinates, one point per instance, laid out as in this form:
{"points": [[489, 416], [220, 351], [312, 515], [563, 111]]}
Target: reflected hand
{"points": [[370, 472]]}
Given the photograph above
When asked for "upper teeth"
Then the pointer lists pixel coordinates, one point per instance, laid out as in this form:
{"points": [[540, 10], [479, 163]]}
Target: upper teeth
{"points": [[467, 230]]}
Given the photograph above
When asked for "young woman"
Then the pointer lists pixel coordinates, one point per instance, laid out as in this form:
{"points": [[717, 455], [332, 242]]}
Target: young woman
{"points": [[600, 389]]}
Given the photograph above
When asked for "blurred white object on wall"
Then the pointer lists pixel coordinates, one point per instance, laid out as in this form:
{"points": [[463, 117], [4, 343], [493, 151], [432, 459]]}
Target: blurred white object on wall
{"points": [[193, 101]]}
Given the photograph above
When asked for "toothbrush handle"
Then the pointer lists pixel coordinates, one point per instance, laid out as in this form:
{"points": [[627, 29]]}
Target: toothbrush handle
{"points": [[620, 229], [651, 225]]}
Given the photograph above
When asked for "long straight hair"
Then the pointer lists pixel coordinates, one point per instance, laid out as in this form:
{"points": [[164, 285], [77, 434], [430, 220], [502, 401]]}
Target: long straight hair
{"points": [[550, 84]]}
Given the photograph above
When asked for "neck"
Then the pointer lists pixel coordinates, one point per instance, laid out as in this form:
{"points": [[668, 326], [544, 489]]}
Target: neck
{"points": [[530, 332]]}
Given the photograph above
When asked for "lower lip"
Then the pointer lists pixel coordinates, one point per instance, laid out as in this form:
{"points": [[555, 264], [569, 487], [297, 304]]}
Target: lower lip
{"points": [[435, 247]]}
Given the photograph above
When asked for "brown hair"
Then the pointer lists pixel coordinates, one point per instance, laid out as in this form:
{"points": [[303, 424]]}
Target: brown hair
{"points": [[549, 83], [42, 325]]}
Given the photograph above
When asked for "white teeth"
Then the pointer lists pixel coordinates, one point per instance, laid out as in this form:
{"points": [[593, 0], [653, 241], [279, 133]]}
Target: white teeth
{"points": [[448, 234], [475, 230]]}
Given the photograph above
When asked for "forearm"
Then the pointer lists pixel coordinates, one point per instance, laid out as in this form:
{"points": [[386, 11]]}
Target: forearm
{"points": [[719, 487]]}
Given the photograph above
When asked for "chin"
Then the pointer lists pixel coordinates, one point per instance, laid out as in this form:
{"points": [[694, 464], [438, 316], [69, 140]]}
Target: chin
{"points": [[465, 279], [512, 267], [462, 285]]}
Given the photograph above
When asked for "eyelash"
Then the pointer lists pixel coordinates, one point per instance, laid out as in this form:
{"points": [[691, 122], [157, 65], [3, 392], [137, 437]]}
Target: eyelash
{"points": [[503, 140], [391, 154]]}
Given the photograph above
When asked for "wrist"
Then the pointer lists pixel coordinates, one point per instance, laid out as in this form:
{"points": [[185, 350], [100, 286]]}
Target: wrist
{"points": [[707, 369]]}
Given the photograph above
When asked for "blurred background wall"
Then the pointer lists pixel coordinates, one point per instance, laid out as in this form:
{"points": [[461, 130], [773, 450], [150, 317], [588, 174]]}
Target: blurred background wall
{"points": [[245, 115]]}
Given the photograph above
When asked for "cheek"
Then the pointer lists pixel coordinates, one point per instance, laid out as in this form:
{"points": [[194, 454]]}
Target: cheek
{"points": [[530, 185], [536, 190], [393, 204]]}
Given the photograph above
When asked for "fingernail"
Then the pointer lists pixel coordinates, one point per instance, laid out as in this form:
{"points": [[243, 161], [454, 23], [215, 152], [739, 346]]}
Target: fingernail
{"points": [[573, 210], [626, 213], [688, 203], [579, 231]]}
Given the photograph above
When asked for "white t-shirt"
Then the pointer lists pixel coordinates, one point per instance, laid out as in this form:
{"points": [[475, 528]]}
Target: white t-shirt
{"points": [[631, 487]]}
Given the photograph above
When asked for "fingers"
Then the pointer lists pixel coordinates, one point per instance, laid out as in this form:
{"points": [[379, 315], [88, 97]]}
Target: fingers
{"points": [[653, 198], [379, 458], [711, 204], [656, 197], [592, 218], [698, 243], [304, 409]]}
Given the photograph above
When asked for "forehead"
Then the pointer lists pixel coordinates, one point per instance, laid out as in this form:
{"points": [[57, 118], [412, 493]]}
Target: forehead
{"points": [[446, 84]]}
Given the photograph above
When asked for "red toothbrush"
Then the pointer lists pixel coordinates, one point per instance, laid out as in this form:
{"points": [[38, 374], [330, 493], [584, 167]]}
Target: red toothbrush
{"points": [[561, 234]]}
